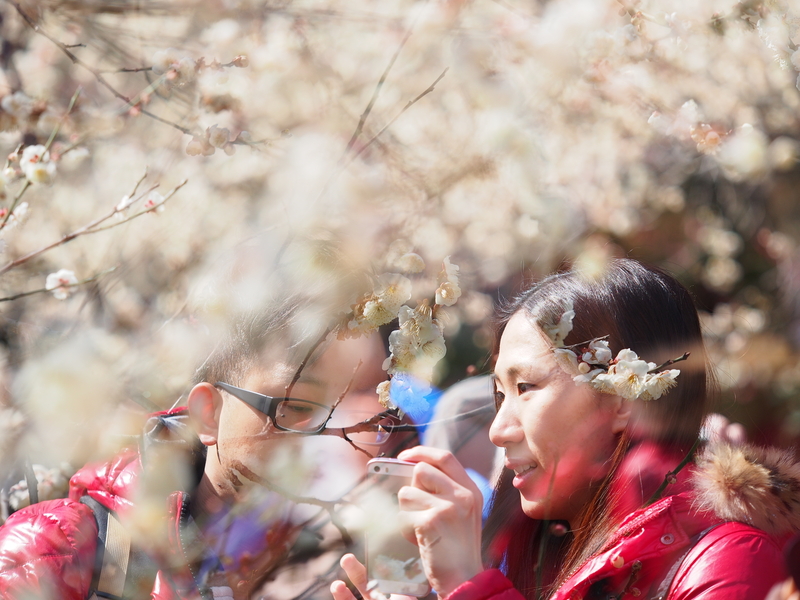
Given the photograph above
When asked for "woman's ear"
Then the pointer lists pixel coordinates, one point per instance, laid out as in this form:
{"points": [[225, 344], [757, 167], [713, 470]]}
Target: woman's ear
{"points": [[622, 414], [205, 403]]}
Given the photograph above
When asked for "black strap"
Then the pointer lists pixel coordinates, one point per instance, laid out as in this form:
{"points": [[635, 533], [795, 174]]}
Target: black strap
{"points": [[101, 518], [140, 571], [663, 589]]}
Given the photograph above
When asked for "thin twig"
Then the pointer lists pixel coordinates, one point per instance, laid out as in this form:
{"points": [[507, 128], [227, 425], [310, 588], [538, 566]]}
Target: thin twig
{"points": [[344, 392], [305, 360], [46, 148], [142, 212], [70, 285], [671, 477], [379, 85], [671, 361], [398, 115], [61, 121], [92, 227], [97, 74], [14, 203]]}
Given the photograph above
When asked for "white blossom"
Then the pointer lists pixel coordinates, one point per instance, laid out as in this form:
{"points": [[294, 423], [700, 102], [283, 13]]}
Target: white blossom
{"points": [[417, 345], [59, 283], [36, 164], [199, 146], [598, 353], [410, 262], [390, 292], [17, 104], [448, 291], [626, 376], [567, 360], [17, 217], [218, 136], [124, 203], [657, 383], [559, 331], [383, 394], [154, 202], [177, 68]]}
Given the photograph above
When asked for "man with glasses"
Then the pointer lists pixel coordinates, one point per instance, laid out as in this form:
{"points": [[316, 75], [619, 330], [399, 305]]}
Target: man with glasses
{"points": [[240, 469]]}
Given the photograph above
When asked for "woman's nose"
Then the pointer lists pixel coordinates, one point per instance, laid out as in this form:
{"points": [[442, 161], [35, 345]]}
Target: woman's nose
{"points": [[505, 428]]}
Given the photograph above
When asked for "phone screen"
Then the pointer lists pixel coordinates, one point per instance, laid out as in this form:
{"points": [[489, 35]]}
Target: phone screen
{"points": [[393, 562]]}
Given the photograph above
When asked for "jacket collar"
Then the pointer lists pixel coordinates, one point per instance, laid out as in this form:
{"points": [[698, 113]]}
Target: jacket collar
{"points": [[757, 486]]}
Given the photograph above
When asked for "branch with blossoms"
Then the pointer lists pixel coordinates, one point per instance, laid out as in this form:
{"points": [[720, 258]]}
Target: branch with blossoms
{"points": [[173, 70], [592, 362], [154, 202], [61, 284]]}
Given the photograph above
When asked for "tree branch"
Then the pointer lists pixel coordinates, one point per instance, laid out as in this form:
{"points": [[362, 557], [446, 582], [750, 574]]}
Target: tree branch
{"points": [[379, 85], [92, 227], [411, 103], [71, 285], [96, 73]]}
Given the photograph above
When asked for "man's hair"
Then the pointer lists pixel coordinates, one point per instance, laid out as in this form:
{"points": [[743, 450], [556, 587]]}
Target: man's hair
{"points": [[290, 326]]}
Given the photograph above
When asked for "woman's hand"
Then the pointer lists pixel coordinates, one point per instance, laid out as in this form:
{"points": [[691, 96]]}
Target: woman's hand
{"points": [[443, 506], [357, 573]]}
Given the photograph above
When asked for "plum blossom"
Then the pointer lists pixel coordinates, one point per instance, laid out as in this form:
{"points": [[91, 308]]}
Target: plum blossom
{"points": [[567, 360], [448, 291], [60, 283], [381, 306], [410, 262], [176, 67], [383, 394], [36, 164], [17, 217], [657, 383], [627, 376], [154, 202], [18, 104], [598, 353], [559, 331], [417, 345], [214, 137]]}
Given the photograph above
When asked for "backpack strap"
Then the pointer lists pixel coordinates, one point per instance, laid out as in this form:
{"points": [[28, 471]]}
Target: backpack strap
{"points": [[113, 553], [663, 589]]}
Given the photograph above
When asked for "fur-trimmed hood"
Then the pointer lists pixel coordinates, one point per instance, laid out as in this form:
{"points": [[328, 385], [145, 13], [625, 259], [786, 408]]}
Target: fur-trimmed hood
{"points": [[749, 484]]}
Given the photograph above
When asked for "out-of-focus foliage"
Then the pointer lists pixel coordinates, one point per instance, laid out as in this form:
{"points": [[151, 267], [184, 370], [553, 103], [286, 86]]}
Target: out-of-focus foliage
{"points": [[515, 137]]}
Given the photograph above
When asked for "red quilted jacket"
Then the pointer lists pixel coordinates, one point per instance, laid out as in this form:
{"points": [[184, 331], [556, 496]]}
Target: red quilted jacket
{"points": [[47, 550], [746, 499]]}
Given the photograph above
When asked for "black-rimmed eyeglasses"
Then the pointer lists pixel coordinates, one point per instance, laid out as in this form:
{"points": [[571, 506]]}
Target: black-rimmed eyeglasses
{"points": [[302, 416]]}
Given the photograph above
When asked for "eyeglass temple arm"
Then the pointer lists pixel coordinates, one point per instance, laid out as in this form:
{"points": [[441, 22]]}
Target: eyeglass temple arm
{"points": [[257, 401]]}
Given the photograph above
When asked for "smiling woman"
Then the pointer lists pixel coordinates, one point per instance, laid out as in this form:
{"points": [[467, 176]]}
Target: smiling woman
{"points": [[589, 431]]}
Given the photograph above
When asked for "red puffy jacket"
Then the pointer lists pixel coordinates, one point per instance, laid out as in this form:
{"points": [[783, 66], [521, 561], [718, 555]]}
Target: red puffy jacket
{"points": [[744, 502], [48, 550]]}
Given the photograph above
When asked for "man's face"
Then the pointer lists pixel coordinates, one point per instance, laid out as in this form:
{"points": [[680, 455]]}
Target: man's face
{"points": [[318, 466]]}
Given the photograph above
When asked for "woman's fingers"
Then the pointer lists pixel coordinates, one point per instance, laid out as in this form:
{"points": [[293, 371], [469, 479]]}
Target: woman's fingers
{"points": [[340, 591], [356, 572], [443, 460]]}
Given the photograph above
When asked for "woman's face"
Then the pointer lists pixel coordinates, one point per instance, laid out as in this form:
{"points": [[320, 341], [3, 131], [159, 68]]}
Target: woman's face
{"points": [[558, 436]]}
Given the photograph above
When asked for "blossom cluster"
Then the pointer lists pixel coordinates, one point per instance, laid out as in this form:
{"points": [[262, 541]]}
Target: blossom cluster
{"points": [[625, 375], [418, 343]]}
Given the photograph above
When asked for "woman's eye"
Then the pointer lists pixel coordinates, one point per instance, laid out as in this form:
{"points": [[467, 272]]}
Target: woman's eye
{"points": [[524, 387], [498, 399]]}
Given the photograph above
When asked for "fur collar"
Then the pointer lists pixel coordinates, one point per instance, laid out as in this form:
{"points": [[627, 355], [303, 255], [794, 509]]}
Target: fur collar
{"points": [[757, 486]]}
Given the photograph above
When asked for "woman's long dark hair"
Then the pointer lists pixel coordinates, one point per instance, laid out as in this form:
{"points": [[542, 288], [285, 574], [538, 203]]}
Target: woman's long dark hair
{"points": [[637, 307]]}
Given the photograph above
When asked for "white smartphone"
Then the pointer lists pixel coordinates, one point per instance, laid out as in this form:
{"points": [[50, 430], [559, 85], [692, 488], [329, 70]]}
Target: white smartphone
{"points": [[393, 563]]}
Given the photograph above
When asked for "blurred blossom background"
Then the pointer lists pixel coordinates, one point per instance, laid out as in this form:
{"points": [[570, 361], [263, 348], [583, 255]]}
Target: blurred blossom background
{"points": [[171, 164]]}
